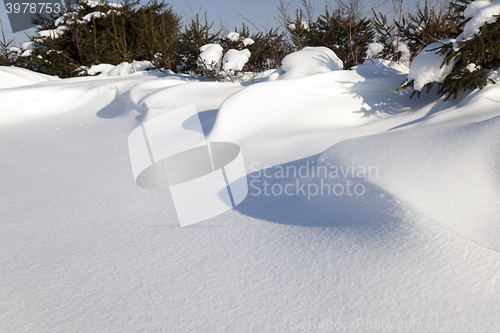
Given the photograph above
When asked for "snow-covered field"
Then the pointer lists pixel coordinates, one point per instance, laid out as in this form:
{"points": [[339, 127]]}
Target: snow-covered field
{"points": [[409, 245]]}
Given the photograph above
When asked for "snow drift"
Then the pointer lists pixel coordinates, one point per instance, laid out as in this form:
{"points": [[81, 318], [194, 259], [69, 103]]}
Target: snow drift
{"points": [[82, 248], [308, 61], [11, 77]]}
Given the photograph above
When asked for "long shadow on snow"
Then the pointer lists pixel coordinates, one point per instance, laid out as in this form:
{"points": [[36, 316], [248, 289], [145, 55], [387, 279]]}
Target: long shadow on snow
{"points": [[374, 213]]}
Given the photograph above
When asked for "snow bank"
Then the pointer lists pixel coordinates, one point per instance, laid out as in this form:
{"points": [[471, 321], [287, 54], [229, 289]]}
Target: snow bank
{"points": [[259, 117], [11, 77], [83, 248], [448, 172], [210, 56], [235, 60], [308, 61], [426, 67]]}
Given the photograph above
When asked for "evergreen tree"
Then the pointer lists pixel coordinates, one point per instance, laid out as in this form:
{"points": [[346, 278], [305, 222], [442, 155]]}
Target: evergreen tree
{"points": [[300, 32], [5, 53], [416, 31], [475, 57], [387, 36], [194, 36], [343, 31], [427, 26], [79, 37], [267, 51]]}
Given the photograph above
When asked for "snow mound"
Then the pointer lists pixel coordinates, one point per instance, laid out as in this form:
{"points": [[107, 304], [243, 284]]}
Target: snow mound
{"points": [[426, 67], [11, 77], [210, 56], [377, 68], [308, 61], [301, 108], [83, 248], [447, 171], [235, 60]]}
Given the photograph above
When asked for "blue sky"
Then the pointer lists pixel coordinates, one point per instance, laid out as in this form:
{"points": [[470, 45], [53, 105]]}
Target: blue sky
{"points": [[260, 12]]}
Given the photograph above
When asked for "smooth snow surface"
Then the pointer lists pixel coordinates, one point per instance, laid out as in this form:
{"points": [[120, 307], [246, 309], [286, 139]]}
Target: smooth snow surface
{"points": [[448, 171], [11, 77], [84, 249], [308, 61]]}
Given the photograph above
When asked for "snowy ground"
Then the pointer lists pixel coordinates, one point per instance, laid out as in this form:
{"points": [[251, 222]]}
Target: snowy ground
{"points": [[83, 248]]}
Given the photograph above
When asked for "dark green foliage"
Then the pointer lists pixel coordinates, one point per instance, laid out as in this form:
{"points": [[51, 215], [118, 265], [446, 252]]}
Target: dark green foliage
{"points": [[195, 35], [267, 51], [5, 53], [387, 35], [428, 26], [344, 33], [418, 30], [11, 57], [483, 50], [127, 33], [300, 32]]}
